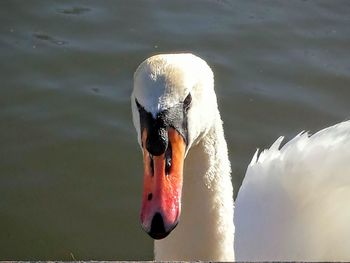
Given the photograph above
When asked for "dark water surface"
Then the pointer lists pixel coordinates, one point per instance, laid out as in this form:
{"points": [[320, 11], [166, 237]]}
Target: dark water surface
{"points": [[70, 167]]}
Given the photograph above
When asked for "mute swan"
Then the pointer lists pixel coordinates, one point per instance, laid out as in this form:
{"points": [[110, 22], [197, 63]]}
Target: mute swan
{"points": [[293, 203]]}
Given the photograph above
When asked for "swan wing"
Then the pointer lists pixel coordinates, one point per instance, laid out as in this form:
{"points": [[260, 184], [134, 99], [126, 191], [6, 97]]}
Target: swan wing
{"points": [[294, 202]]}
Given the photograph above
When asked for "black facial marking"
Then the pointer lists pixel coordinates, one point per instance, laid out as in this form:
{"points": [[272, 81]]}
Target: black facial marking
{"points": [[157, 135], [150, 196]]}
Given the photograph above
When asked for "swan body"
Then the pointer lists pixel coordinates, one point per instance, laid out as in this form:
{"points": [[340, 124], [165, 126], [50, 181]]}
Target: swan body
{"points": [[292, 205], [294, 202]]}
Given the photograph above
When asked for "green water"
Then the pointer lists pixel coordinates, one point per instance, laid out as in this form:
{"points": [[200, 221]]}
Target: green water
{"points": [[70, 167]]}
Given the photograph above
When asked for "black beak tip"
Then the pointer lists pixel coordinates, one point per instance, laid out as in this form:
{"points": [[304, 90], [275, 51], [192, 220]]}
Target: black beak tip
{"points": [[158, 236], [157, 230]]}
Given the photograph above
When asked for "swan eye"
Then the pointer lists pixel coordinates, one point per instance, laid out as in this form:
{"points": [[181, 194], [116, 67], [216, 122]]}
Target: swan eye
{"points": [[187, 102]]}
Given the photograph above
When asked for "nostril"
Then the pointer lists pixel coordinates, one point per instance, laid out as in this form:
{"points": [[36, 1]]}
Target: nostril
{"points": [[157, 227], [151, 164], [168, 159]]}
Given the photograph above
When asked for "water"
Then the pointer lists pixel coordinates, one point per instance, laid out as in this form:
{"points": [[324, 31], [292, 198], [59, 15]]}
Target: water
{"points": [[70, 167]]}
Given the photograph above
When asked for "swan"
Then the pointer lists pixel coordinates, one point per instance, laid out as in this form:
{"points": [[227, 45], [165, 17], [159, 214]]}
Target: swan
{"points": [[293, 203]]}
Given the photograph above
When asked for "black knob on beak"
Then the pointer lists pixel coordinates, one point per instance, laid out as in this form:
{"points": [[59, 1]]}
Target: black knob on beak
{"points": [[157, 141]]}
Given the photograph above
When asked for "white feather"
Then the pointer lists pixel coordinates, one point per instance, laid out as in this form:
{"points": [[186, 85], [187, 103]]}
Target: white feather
{"points": [[294, 203]]}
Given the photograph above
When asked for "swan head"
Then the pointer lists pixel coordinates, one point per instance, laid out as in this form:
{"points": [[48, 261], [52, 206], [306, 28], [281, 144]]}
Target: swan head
{"points": [[173, 105]]}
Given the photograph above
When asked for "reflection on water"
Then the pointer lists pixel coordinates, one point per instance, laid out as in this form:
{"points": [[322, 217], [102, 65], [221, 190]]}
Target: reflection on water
{"points": [[45, 37], [74, 10], [70, 167]]}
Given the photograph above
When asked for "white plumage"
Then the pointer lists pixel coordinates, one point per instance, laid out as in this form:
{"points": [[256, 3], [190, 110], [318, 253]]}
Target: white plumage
{"points": [[294, 203]]}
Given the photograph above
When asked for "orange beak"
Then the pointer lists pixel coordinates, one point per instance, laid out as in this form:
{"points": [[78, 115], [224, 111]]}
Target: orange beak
{"points": [[163, 174]]}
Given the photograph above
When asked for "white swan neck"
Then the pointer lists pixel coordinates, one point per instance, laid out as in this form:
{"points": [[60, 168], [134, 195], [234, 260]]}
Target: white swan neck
{"points": [[206, 229]]}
